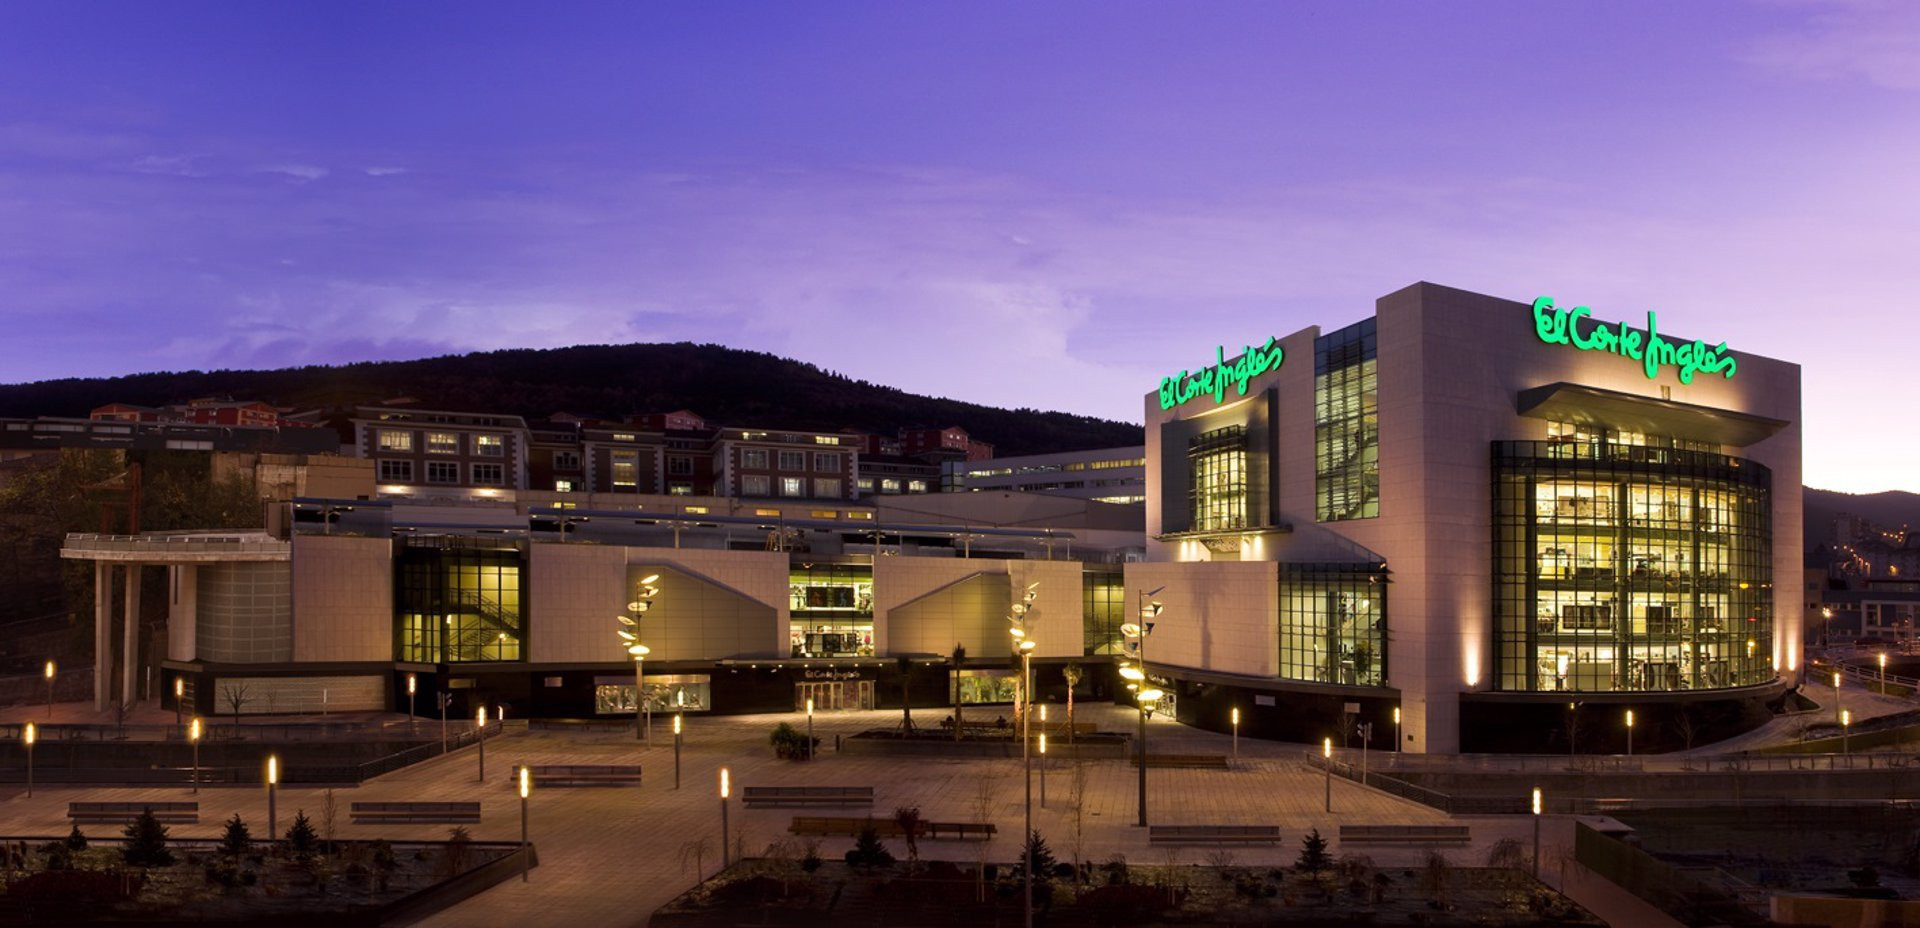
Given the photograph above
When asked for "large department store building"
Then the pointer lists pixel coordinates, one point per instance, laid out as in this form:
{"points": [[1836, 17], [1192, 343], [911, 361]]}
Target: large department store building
{"points": [[1501, 523]]}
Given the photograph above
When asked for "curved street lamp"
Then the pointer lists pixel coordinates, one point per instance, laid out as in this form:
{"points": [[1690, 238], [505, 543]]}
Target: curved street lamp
{"points": [[1024, 644], [629, 633]]}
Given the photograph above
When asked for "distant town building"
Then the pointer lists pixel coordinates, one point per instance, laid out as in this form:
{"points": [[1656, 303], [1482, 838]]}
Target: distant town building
{"points": [[1109, 475]]}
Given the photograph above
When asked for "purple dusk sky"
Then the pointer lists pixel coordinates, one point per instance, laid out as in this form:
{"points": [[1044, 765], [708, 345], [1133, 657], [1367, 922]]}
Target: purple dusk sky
{"points": [[1044, 205]]}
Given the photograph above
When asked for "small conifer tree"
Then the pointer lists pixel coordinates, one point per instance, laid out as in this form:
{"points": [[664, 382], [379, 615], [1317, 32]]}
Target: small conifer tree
{"points": [[237, 840], [302, 840], [75, 840], [146, 842], [1037, 856], [1313, 854]]}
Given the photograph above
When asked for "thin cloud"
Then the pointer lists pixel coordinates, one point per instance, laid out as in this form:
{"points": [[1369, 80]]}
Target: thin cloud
{"points": [[1877, 41], [300, 172]]}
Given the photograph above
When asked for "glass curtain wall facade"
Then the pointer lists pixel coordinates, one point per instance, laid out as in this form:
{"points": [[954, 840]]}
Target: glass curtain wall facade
{"points": [[1630, 566], [1346, 424], [1333, 623], [1217, 461], [1103, 605], [832, 610], [459, 603]]}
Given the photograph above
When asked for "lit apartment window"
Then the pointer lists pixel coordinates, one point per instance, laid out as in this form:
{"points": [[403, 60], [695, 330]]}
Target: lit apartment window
{"points": [[563, 486], [754, 458], [489, 475], [772, 513], [396, 471], [861, 516], [396, 440], [443, 443], [696, 510], [889, 485], [826, 462], [626, 469], [826, 514], [916, 486], [443, 472], [680, 465], [623, 436], [865, 484], [754, 485], [489, 446], [793, 486], [826, 488], [680, 489], [793, 460]]}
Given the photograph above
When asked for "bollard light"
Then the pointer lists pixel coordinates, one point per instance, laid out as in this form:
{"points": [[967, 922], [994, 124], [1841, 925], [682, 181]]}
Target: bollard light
{"points": [[480, 737], [1537, 809], [30, 735], [193, 735], [273, 813], [726, 852], [49, 689], [1326, 759]]}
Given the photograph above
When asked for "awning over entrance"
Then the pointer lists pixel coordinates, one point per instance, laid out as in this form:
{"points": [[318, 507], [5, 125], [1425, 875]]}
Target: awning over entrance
{"points": [[1572, 402]]}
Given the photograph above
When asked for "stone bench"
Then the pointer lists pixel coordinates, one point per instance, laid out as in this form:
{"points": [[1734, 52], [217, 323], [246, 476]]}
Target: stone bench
{"points": [[1404, 834], [582, 774], [807, 795], [122, 813], [415, 813], [1213, 834]]}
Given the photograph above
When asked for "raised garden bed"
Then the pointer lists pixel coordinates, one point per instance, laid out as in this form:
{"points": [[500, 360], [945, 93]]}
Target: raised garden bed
{"points": [[974, 742]]}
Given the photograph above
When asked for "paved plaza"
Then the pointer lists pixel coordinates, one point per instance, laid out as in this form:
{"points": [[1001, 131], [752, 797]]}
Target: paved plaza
{"points": [[610, 856]]}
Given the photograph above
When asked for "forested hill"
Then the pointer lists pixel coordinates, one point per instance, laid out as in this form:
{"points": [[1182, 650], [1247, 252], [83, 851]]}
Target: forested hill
{"points": [[725, 385]]}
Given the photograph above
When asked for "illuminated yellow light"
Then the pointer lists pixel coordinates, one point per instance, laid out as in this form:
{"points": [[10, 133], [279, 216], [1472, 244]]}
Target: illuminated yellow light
{"points": [[649, 579], [193, 731], [1629, 718], [273, 769], [1536, 800], [1151, 695], [809, 705], [1396, 715], [1326, 749], [1043, 715], [526, 781], [1846, 717], [676, 724], [1236, 715], [32, 734], [1043, 742], [1132, 673], [49, 670], [480, 718], [410, 684], [180, 684], [726, 785]]}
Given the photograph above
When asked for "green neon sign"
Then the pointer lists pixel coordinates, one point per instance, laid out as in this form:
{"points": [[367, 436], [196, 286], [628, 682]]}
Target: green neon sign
{"points": [[1213, 381], [1575, 327]]}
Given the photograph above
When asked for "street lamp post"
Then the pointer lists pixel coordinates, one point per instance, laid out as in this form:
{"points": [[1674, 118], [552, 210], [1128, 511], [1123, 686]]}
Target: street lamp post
{"points": [[1136, 634], [445, 698], [1026, 761], [49, 689], [1043, 770], [1326, 760], [1366, 735], [1135, 680], [1836, 695], [676, 750], [29, 736], [1629, 732], [1883, 673], [809, 727], [1536, 832], [1236, 731], [180, 691], [1846, 724], [413, 702], [273, 810], [193, 735], [480, 737], [526, 788], [1397, 737], [630, 637], [726, 852]]}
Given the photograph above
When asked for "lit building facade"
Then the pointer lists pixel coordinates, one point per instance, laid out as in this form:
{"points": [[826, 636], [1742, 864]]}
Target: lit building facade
{"points": [[1505, 522]]}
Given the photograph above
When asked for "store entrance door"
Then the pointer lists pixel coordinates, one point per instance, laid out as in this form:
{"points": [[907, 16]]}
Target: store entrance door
{"points": [[839, 694]]}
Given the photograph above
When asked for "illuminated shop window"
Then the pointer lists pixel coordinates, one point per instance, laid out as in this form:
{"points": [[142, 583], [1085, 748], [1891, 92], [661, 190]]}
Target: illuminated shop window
{"points": [[831, 609], [666, 693], [1217, 464], [459, 604], [1346, 424]]}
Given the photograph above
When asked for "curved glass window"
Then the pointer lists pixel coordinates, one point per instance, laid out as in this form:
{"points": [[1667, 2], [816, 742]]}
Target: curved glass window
{"points": [[1622, 567]]}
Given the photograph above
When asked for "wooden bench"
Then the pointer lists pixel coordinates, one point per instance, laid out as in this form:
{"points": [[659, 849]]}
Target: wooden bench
{"points": [[122, 813], [1213, 834], [582, 774], [807, 795], [850, 827], [961, 830], [1404, 834], [413, 813], [1214, 761]]}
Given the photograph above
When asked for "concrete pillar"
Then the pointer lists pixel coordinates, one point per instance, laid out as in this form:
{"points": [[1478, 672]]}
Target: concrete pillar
{"points": [[102, 634], [182, 611], [130, 652]]}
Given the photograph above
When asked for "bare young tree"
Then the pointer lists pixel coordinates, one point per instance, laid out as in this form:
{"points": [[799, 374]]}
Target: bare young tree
{"points": [[959, 660], [983, 796], [237, 695], [1078, 809], [696, 851]]}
